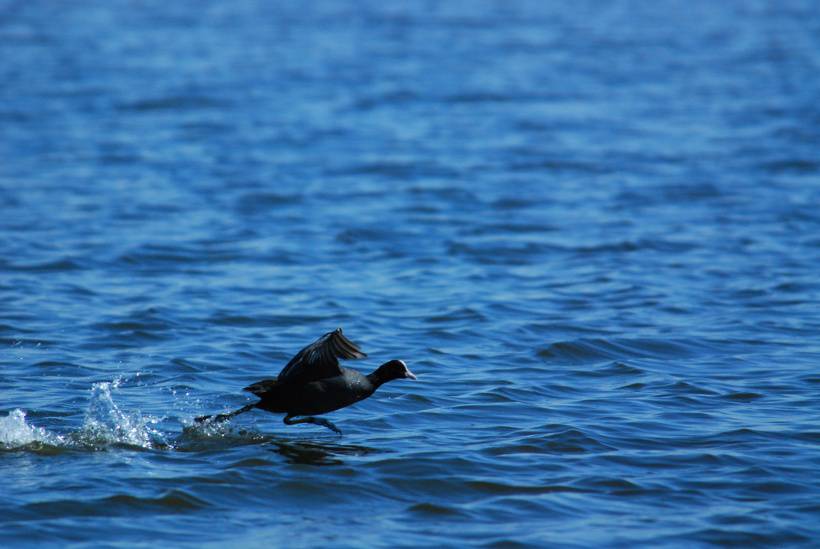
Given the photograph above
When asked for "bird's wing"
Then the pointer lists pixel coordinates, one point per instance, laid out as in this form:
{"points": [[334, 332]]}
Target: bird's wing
{"points": [[320, 359]]}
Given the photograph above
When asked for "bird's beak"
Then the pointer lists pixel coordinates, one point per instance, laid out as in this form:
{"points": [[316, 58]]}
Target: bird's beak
{"points": [[407, 373]]}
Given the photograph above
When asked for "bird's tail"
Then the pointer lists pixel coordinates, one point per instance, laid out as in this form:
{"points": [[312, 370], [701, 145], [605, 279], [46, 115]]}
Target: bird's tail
{"points": [[229, 415]]}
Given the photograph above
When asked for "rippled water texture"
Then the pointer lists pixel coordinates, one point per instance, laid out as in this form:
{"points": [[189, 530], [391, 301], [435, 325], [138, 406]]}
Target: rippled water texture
{"points": [[591, 228]]}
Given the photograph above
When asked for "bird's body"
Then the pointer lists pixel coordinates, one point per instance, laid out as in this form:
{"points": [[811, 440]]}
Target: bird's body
{"points": [[314, 383], [313, 398]]}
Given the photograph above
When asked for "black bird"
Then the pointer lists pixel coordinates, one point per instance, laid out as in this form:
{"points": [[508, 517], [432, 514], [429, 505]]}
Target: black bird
{"points": [[313, 383]]}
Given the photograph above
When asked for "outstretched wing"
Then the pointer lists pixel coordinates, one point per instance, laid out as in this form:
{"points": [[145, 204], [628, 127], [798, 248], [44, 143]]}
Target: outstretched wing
{"points": [[320, 359]]}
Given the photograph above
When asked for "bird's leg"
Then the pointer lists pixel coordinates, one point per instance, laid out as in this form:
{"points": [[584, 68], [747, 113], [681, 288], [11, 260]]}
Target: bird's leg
{"points": [[224, 417], [315, 420]]}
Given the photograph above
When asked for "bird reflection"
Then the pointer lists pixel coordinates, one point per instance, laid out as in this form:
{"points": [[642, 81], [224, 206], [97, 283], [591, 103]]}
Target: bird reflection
{"points": [[306, 452]]}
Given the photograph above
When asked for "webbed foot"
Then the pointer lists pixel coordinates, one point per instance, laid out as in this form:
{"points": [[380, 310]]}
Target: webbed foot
{"points": [[315, 420], [215, 418]]}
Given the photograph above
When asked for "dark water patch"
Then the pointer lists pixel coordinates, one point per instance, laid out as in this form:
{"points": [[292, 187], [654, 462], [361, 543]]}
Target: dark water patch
{"points": [[583, 351], [59, 368], [55, 266], [266, 320], [23, 342], [174, 501], [79, 290], [11, 328], [264, 202], [808, 436], [559, 167], [114, 158], [490, 97], [811, 379], [422, 209], [188, 366], [135, 326], [123, 340], [503, 489], [509, 254], [734, 440], [738, 537], [380, 234], [446, 195], [495, 229], [161, 256], [791, 166], [572, 441], [389, 100], [433, 510], [679, 388], [13, 116], [505, 544], [743, 396], [395, 170], [795, 287], [418, 398], [175, 103], [614, 369], [615, 486], [464, 314], [775, 487], [251, 462], [567, 441], [200, 129], [692, 192], [513, 203], [671, 458], [630, 246], [495, 395]]}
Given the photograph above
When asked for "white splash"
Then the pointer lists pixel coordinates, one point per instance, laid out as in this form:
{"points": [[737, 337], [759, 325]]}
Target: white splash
{"points": [[106, 424], [15, 432]]}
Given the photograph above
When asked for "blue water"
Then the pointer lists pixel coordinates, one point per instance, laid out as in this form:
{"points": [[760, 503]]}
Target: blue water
{"points": [[592, 229]]}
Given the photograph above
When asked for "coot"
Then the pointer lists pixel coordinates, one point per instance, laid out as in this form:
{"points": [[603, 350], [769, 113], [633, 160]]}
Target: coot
{"points": [[314, 383]]}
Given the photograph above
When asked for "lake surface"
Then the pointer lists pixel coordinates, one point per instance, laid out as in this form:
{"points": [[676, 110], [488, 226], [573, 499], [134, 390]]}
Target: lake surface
{"points": [[591, 229]]}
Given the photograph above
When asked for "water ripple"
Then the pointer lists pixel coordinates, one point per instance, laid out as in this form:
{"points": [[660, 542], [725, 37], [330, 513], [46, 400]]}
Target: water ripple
{"points": [[592, 235]]}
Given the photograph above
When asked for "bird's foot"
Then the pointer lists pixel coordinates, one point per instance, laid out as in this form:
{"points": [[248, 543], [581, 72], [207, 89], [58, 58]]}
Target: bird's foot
{"points": [[325, 423], [315, 420], [213, 419]]}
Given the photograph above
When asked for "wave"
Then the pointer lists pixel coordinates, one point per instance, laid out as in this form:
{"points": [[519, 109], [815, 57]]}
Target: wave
{"points": [[599, 349]]}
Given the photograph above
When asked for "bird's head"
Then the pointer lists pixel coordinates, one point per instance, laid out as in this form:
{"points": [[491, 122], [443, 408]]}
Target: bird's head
{"points": [[395, 369]]}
